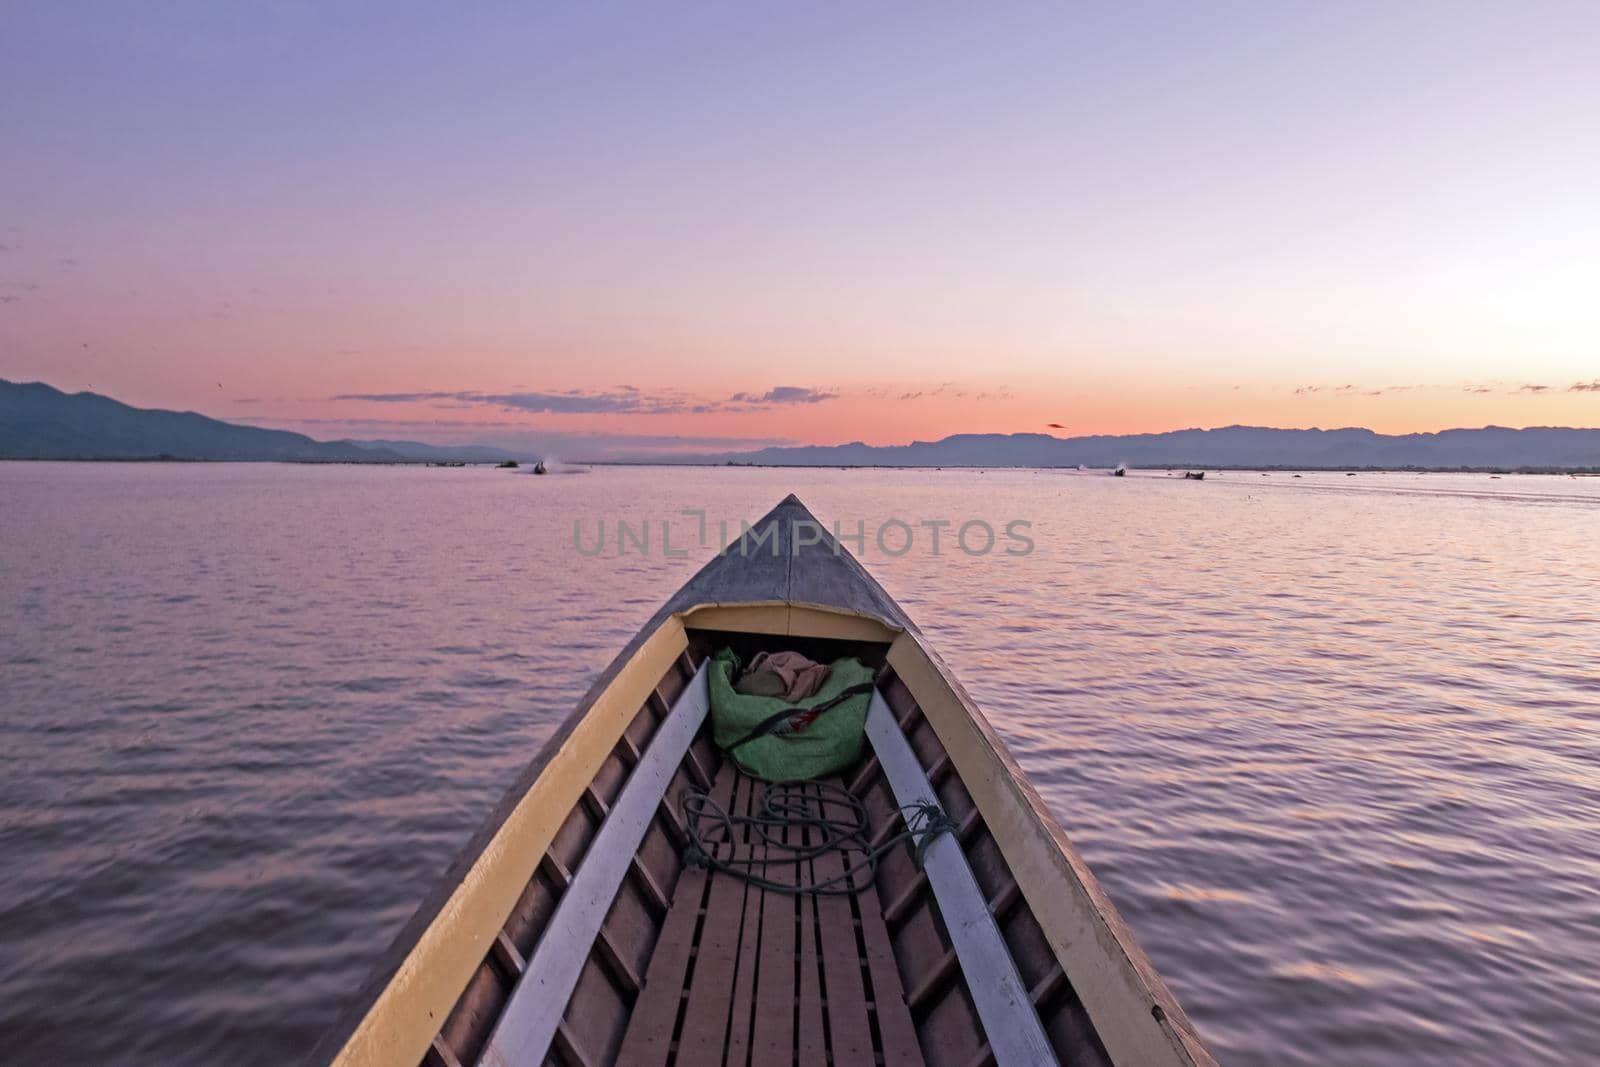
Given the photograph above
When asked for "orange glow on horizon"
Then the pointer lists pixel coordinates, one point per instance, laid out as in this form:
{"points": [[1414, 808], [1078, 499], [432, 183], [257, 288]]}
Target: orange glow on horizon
{"points": [[882, 415]]}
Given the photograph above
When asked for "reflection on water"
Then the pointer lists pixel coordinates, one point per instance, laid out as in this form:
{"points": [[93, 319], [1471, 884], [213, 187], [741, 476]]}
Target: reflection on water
{"points": [[1330, 743]]}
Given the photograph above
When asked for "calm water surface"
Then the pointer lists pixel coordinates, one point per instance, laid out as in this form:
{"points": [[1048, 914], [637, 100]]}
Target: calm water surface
{"points": [[1332, 744]]}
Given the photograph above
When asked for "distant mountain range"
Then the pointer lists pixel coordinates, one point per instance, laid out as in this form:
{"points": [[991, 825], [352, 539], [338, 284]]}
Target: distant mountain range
{"points": [[1496, 447], [40, 422]]}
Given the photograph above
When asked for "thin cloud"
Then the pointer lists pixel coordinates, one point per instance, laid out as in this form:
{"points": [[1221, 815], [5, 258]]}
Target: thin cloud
{"points": [[415, 424], [1585, 387], [1353, 389], [392, 398], [947, 389], [785, 394], [621, 400], [1055, 426], [618, 402], [624, 401], [1534, 389]]}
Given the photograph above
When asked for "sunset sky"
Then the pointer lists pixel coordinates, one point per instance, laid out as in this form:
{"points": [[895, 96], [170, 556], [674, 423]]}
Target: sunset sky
{"points": [[685, 226]]}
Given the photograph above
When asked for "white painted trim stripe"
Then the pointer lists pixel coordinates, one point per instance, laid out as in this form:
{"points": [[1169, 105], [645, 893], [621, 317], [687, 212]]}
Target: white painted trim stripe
{"points": [[534, 1010], [1009, 1020]]}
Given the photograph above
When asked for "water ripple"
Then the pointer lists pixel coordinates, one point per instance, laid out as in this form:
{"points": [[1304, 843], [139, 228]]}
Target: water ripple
{"points": [[1330, 747]]}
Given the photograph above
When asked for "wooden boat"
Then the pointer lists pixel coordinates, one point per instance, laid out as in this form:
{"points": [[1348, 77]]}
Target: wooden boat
{"points": [[571, 932]]}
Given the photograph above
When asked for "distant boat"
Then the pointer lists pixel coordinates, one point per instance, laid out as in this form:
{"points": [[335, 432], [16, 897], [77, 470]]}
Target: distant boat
{"points": [[509, 465], [604, 895], [1194, 475], [1120, 472], [538, 468]]}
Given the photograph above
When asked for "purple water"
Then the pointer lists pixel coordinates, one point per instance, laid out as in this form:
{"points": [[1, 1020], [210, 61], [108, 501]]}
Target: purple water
{"points": [[1332, 744]]}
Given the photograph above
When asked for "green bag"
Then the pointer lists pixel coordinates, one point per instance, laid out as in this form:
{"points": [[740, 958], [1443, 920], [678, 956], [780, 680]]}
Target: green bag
{"points": [[776, 741]]}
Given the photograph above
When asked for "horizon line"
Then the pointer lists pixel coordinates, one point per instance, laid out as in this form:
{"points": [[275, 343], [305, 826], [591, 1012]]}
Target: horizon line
{"points": [[276, 423]]}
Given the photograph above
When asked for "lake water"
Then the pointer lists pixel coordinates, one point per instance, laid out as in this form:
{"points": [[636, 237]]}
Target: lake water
{"points": [[1332, 744]]}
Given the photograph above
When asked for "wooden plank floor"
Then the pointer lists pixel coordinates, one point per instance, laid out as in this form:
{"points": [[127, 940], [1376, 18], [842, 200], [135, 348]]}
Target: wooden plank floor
{"points": [[745, 976]]}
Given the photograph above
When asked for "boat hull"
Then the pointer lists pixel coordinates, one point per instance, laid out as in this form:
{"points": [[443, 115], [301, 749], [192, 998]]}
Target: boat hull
{"points": [[455, 987]]}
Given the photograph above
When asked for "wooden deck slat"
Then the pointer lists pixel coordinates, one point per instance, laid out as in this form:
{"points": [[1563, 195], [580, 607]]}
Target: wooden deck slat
{"points": [[811, 1041], [896, 1032], [705, 1021], [736, 983], [849, 1031], [775, 993], [742, 1003], [655, 1014]]}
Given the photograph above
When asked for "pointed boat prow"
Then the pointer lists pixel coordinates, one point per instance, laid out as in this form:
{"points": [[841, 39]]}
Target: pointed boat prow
{"points": [[571, 931]]}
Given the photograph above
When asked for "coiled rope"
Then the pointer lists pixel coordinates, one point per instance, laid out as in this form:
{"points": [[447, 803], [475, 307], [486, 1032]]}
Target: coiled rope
{"points": [[796, 825]]}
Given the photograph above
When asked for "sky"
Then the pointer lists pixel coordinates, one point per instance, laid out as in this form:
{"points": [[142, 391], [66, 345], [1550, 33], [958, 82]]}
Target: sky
{"points": [[678, 227]]}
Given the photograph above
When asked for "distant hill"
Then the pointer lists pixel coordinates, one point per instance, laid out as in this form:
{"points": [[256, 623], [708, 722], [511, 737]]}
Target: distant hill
{"points": [[1538, 447], [40, 422]]}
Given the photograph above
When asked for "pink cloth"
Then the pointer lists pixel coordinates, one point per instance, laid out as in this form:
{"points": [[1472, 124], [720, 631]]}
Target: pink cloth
{"points": [[799, 676]]}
